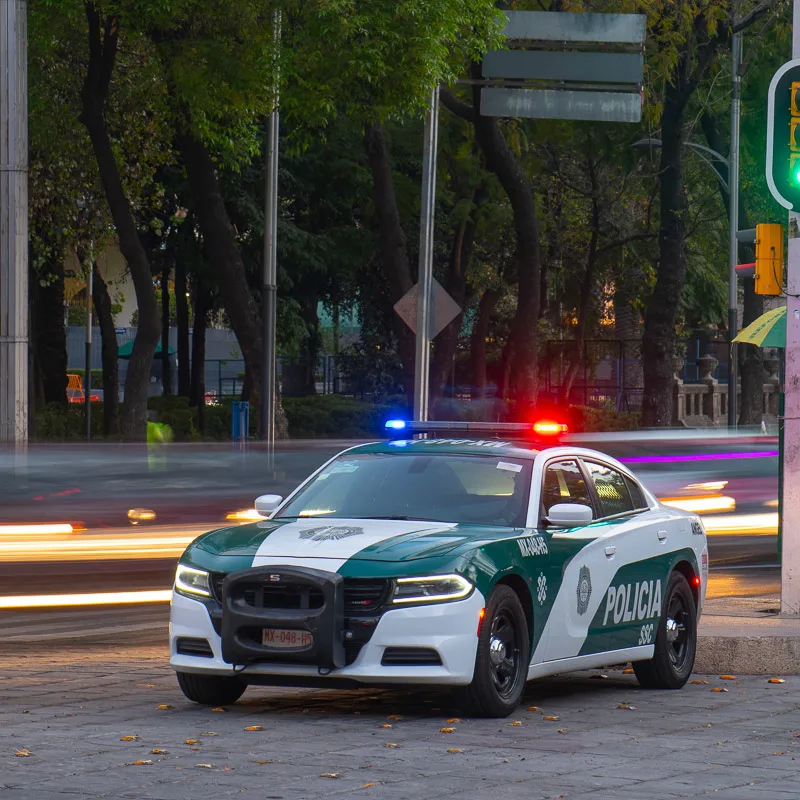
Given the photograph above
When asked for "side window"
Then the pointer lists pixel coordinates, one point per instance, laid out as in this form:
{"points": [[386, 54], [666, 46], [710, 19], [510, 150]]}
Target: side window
{"points": [[637, 496], [563, 483], [611, 488]]}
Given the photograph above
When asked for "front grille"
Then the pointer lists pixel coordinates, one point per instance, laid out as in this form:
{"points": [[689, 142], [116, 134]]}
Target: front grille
{"points": [[361, 595], [186, 646], [410, 657]]}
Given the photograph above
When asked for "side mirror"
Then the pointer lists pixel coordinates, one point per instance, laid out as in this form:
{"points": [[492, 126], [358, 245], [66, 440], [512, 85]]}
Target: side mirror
{"points": [[569, 515], [267, 503]]}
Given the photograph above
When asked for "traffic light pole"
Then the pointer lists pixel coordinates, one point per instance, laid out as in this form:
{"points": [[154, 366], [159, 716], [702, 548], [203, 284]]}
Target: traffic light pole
{"points": [[733, 219], [790, 541]]}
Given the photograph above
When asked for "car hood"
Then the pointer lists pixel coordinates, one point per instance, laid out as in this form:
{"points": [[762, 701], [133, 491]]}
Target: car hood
{"points": [[345, 539]]}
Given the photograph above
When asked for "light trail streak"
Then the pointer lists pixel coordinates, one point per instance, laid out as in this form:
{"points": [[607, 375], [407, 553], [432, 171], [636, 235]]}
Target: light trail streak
{"points": [[701, 505], [51, 529], [742, 525], [93, 599], [698, 457]]}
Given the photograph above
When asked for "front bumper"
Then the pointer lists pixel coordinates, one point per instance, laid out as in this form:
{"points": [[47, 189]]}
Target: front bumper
{"points": [[448, 628]]}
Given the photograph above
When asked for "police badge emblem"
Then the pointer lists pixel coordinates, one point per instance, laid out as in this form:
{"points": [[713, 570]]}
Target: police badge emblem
{"points": [[584, 589], [330, 533]]}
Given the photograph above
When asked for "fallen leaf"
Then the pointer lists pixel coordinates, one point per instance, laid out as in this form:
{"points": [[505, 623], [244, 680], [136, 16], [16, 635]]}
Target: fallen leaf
{"points": [[254, 728], [533, 708], [386, 725], [164, 707], [219, 708], [262, 762], [330, 774], [129, 738], [561, 730], [191, 741], [367, 785], [718, 689], [23, 753], [506, 761], [626, 707], [205, 766], [394, 716], [209, 733], [779, 753], [391, 744], [516, 724], [447, 730], [453, 721], [226, 769], [196, 749], [144, 762], [157, 751], [707, 725], [456, 750], [776, 680], [552, 719], [699, 683], [727, 677], [627, 671], [27, 710]]}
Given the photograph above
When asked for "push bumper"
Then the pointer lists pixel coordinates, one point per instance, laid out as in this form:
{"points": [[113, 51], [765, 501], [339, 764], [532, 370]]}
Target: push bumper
{"points": [[448, 628]]}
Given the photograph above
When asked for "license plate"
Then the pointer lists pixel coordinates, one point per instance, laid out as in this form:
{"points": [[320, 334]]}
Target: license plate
{"points": [[286, 638]]}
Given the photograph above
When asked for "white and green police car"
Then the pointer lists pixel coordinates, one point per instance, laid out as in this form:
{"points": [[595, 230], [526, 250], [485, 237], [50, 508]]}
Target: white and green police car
{"points": [[476, 564]]}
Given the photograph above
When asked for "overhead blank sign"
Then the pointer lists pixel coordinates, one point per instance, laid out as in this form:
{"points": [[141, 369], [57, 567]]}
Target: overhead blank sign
{"points": [[560, 66], [549, 26]]}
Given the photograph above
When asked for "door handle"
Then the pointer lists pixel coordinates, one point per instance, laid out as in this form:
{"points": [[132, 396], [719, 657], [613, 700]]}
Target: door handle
{"points": [[610, 550], [662, 536]]}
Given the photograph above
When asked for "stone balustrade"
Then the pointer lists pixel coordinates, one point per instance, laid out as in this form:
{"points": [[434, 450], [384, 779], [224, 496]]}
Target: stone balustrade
{"points": [[705, 404]]}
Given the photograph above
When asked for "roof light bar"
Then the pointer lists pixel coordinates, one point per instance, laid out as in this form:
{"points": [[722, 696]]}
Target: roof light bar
{"points": [[542, 428]]}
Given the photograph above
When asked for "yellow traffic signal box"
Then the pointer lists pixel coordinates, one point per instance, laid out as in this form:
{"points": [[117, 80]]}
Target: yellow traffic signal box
{"points": [[769, 259]]}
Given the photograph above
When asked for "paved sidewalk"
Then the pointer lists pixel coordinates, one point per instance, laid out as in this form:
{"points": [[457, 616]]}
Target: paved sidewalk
{"points": [[72, 709]]}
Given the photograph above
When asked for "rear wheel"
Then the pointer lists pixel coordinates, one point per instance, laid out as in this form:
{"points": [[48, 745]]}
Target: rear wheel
{"points": [[501, 664], [211, 690], [676, 640]]}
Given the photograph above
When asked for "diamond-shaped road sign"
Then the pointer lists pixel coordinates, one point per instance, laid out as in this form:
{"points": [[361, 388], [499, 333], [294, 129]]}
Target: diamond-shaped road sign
{"points": [[443, 309]]}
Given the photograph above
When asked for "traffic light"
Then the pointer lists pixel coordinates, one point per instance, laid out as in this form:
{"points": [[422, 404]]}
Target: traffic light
{"points": [[769, 256], [783, 136]]}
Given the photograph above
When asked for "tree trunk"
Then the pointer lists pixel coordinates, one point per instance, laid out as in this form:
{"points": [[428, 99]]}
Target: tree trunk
{"points": [[394, 255], [50, 335], [313, 343], [182, 321], [102, 55], [108, 348], [501, 160], [662, 311], [480, 331], [166, 367], [197, 387], [219, 241]]}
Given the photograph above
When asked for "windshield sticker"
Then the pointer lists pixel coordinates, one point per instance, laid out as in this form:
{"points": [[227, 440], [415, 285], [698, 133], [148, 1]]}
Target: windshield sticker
{"points": [[330, 533], [509, 467], [532, 546], [338, 468]]}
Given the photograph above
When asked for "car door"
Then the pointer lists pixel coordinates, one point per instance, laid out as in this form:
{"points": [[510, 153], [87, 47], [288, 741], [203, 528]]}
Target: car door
{"points": [[578, 564], [633, 563]]}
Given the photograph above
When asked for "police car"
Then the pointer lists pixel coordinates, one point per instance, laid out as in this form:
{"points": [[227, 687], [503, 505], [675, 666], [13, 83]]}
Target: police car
{"points": [[473, 563]]}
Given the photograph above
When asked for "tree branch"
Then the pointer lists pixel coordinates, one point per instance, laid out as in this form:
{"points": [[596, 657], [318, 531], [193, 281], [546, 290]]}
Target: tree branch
{"points": [[456, 106], [753, 16], [634, 237]]}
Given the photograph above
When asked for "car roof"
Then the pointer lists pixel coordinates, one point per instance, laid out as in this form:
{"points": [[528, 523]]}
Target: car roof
{"points": [[454, 446]]}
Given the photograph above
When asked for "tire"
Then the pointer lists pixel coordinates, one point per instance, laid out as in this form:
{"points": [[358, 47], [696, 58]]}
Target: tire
{"points": [[500, 676], [676, 640], [211, 690]]}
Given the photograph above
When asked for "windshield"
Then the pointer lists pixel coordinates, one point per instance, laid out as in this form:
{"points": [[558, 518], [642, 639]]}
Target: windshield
{"points": [[482, 490]]}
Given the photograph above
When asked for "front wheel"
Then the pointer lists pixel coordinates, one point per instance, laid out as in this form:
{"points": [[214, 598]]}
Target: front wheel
{"points": [[210, 690], [501, 664], [676, 640]]}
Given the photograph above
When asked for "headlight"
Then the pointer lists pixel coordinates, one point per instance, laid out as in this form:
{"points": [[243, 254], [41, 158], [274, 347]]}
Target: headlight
{"points": [[191, 581], [431, 589]]}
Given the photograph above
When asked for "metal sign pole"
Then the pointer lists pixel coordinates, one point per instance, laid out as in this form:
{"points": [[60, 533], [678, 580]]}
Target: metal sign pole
{"points": [[790, 542], [733, 219], [87, 389], [269, 300], [426, 229], [13, 222]]}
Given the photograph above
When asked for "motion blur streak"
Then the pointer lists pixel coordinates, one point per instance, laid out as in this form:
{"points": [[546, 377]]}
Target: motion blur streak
{"points": [[125, 545], [53, 529], [701, 505], [698, 457], [99, 599], [742, 524], [249, 515]]}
